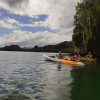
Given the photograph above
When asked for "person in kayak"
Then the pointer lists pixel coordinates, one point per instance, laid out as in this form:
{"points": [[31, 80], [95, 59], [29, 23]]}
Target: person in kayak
{"points": [[75, 56], [89, 55], [60, 55]]}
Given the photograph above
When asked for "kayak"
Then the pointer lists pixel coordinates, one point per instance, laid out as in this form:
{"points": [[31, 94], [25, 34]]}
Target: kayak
{"points": [[83, 59], [68, 62], [50, 58], [73, 63]]}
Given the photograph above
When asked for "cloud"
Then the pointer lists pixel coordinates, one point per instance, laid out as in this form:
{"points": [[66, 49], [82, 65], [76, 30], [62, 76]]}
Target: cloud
{"points": [[29, 39], [13, 24], [14, 4], [60, 12], [9, 23], [60, 17]]}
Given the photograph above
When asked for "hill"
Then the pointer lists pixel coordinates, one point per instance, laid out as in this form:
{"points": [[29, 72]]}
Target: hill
{"points": [[64, 47]]}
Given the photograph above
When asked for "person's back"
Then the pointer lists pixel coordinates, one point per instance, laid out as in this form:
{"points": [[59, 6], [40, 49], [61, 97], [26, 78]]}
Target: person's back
{"points": [[75, 57], [60, 55], [89, 55]]}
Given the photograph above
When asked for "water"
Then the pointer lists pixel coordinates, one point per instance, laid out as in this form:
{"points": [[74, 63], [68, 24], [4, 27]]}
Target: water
{"points": [[29, 74]]}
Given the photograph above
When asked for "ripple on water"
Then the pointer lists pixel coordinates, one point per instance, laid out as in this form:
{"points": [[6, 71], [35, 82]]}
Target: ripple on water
{"points": [[28, 74]]}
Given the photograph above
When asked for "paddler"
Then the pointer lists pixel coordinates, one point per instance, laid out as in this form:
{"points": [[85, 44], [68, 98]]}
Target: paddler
{"points": [[75, 56], [89, 55], [60, 55]]}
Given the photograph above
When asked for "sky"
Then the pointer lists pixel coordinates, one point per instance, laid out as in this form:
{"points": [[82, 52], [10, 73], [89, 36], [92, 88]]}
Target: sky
{"points": [[36, 22]]}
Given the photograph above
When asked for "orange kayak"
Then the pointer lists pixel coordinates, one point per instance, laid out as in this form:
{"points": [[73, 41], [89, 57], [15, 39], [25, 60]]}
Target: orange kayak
{"points": [[73, 63]]}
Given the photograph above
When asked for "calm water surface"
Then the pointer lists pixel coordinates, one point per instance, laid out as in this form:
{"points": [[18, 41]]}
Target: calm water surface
{"points": [[29, 74]]}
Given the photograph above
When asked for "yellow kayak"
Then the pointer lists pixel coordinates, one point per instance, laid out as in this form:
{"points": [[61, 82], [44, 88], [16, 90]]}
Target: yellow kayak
{"points": [[87, 59]]}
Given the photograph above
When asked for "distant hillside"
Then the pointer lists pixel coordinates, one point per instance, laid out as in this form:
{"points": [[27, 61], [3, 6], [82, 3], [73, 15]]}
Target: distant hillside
{"points": [[11, 48], [64, 47], [14, 48]]}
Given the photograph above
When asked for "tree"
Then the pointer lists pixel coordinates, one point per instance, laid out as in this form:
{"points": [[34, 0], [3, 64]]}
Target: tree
{"points": [[86, 34]]}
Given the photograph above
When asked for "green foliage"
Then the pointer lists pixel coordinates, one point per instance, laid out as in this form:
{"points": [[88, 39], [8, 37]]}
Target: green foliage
{"points": [[86, 34], [77, 37]]}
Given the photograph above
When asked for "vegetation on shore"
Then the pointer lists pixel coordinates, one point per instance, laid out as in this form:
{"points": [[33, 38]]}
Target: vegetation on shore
{"points": [[86, 34]]}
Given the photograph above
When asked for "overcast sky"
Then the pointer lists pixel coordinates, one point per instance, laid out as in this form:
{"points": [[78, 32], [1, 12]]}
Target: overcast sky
{"points": [[36, 22]]}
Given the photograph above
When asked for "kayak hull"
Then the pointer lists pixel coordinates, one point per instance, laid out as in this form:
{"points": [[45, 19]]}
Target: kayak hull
{"points": [[48, 58]]}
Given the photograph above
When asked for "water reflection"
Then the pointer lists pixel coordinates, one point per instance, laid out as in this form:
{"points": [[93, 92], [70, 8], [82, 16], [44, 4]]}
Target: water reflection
{"points": [[86, 83], [29, 74], [59, 66]]}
